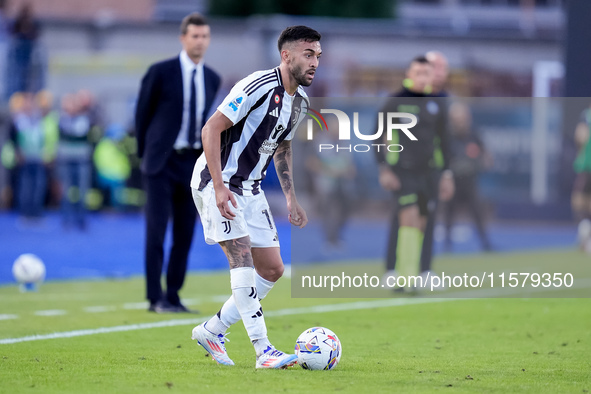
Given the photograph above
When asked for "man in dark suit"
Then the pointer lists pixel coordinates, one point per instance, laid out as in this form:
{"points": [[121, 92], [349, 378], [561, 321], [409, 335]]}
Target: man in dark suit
{"points": [[174, 100]]}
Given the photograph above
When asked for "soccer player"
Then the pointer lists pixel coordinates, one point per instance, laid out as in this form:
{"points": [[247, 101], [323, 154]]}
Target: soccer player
{"points": [[414, 175], [254, 124]]}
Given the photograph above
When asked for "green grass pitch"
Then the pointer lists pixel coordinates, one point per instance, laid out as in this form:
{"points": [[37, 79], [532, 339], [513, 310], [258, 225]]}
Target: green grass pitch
{"points": [[534, 345]]}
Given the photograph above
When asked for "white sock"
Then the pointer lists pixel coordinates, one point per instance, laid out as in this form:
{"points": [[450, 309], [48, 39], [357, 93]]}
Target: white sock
{"points": [[261, 345], [216, 326], [229, 314], [264, 286], [244, 292]]}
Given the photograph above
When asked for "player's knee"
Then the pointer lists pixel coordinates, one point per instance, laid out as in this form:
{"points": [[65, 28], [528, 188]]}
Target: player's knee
{"points": [[276, 273], [273, 273]]}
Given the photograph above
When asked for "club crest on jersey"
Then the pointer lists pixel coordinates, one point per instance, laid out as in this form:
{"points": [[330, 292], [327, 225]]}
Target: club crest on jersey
{"points": [[235, 103], [277, 99]]}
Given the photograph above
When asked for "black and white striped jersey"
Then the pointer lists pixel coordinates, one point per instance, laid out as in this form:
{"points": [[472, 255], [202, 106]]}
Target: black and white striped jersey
{"points": [[263, 115]]}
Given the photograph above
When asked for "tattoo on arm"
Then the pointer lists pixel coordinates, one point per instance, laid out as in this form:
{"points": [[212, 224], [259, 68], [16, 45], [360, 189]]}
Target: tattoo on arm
{"points": [[238, 252], [283, 166]]}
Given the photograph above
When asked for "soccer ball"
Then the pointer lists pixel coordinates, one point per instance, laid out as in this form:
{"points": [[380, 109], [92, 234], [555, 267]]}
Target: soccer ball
{"points": [[28, 268], [318, 348]]}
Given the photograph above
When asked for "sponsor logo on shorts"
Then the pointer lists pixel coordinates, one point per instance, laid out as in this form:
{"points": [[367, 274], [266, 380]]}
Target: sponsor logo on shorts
{"points": [[227, 226]]}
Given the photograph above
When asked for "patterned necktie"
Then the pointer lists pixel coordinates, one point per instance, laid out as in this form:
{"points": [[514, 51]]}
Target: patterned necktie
{"points": [[192, 111]]}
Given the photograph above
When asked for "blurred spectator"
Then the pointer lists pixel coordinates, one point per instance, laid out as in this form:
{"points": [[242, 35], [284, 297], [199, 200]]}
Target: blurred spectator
{"points": [[112, 164], [74, 158], [24, 67], [468, 157], [8, 153], [3, 46], [50, 119], [440, 73], [89, 106], [29, 141], [581, 196], [333, 174], [6, 157], [49, 123]]}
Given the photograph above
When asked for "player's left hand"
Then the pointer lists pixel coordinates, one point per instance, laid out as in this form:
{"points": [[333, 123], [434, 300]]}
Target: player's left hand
{"points": [[297, 216], [447, 187]]}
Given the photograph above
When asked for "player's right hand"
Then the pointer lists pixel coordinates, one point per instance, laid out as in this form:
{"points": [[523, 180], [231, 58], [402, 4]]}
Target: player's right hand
{"points": [[297, 216], [389, 180], [222, 196]]}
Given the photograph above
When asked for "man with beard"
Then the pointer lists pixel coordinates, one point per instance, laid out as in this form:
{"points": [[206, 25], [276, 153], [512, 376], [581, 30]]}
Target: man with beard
{"points": [[254, 124]]}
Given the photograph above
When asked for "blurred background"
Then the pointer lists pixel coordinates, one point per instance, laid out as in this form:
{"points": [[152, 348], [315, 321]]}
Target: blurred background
{"points": [[76, 66]]}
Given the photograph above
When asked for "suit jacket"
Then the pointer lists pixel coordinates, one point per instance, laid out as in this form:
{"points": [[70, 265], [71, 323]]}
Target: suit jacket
{"points": [[159, 111]]}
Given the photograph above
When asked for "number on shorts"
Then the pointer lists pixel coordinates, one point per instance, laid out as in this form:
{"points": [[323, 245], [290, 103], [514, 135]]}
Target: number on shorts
{"points": [[266, 213]]}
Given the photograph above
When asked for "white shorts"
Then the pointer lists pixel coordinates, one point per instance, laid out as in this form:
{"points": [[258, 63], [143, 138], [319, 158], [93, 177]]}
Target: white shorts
{"points": [[253, 219]]}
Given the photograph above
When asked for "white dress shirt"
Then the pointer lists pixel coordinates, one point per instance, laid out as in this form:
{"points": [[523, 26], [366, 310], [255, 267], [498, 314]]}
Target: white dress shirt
{"points": [[187, 67]]}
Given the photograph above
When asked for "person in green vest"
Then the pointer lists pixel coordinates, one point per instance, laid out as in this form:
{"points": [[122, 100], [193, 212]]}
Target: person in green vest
{"points": [[74, 157], [50, 127], [112, 164]]}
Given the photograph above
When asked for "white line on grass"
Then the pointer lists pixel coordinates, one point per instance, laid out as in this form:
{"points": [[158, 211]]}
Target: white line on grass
{"points": [[106, 308], [186, 301], [136, 305], [99, 309], [221, 298], [390, 302], [103, 330], [51, 312], [185, 322]]}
